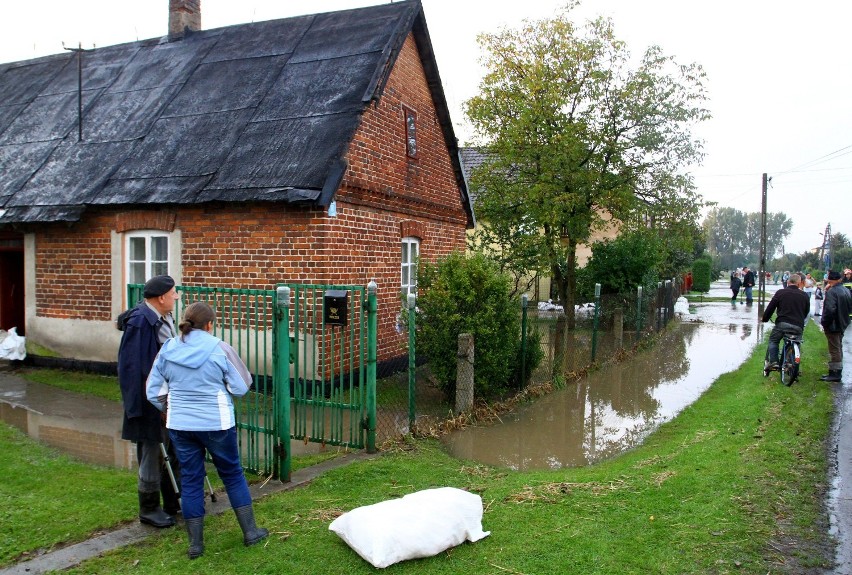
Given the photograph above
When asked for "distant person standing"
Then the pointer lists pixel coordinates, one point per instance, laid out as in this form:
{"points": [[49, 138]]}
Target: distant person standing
{"points": [[835, 320], [736, 282], [748, 283], [847, 280], [819, 295], [809, 287], [785, 277]]}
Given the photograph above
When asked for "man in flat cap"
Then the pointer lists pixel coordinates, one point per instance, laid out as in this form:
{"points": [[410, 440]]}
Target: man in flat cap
{"points": [[146, 328], [835, 319]]}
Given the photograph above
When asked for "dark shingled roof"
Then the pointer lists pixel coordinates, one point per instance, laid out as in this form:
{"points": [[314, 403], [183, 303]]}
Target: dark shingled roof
{"points": [[471, 158], [254, 112]]}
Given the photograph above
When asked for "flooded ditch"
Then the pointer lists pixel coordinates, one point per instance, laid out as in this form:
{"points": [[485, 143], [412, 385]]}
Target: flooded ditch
{"points": [[617, 406]]}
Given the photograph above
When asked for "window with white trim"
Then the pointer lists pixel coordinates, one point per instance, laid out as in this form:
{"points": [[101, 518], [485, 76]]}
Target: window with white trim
{"points": [[410, 253], [147, 255]]}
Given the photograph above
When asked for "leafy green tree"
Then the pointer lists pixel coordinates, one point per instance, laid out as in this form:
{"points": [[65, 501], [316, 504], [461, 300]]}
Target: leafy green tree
{"points": [[725, 229], [622, 264], [726, 232], [733, 237], [577, 136], [462, 294], [778, 227], [840, 240]]}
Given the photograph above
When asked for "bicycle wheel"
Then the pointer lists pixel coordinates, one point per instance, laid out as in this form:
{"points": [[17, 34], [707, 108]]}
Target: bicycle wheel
{"points": [[789, 367]]}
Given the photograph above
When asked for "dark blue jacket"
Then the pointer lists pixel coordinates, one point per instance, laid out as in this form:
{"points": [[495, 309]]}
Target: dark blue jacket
{"points": [[139, 347]]}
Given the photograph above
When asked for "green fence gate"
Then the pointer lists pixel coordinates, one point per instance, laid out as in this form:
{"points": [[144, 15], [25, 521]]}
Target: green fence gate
{"points": [[324, 392]]}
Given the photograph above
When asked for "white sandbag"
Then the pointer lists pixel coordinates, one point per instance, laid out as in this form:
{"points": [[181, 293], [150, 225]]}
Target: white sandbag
{"points": [[12, 345], [681, 306], [421, 524]]}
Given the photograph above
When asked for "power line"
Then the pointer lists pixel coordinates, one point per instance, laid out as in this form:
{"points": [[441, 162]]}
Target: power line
{"points": [[821, 159]]}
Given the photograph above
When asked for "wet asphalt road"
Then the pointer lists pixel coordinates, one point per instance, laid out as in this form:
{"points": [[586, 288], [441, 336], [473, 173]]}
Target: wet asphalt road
{"points": [[840, 450]]}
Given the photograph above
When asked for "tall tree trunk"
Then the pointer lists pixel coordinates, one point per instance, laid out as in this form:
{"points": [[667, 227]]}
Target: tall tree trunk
{"points": [[567, 282]]}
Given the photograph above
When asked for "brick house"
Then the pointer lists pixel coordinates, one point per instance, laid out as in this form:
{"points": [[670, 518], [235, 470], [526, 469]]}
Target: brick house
{"points": [[316, 149]]}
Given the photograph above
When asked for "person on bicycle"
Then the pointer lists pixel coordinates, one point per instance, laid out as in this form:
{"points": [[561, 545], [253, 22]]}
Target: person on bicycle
{"points": [[791, 306]]}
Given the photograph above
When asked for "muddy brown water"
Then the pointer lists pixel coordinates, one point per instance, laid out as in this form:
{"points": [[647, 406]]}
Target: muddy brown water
{"points": [[618, 406]]}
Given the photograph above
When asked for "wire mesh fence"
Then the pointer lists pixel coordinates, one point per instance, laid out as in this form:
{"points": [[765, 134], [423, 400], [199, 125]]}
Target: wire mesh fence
{"points": [[409, 395]]}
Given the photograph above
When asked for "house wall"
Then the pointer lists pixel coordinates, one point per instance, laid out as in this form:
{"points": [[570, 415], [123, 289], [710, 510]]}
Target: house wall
{"points": [[384, 197], [540, 289]]}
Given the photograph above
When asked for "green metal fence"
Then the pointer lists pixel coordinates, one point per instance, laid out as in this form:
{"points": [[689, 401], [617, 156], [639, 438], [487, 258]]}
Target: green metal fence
{"points": [[329, 372], [324, 396]]}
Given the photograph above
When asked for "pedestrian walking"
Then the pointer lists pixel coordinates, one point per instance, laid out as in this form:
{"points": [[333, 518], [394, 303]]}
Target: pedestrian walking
{"points": [[146, 328], [835, 319], [736, 282], [196, 375]]}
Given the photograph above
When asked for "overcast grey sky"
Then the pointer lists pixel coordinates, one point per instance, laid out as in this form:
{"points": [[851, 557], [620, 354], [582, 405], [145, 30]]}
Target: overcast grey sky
{"points": [[779, 77]]}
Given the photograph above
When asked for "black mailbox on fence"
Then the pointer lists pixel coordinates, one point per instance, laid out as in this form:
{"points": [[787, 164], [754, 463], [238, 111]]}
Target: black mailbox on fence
{"points": [[334, 307]]}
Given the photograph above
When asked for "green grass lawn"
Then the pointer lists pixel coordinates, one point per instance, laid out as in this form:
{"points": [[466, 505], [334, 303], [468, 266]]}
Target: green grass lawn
{"points": [[104, 386], [734, 484]]}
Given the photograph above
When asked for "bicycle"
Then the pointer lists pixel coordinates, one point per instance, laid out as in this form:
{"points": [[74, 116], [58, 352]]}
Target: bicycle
{"points": [[789, 360]]}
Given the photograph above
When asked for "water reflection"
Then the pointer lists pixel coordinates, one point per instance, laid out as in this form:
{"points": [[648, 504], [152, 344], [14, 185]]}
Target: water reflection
{"points": [[616, 407]]}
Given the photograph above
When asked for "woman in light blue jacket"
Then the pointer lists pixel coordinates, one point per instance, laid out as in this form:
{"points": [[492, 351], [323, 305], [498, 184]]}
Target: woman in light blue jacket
{"points": [[195, 375]]}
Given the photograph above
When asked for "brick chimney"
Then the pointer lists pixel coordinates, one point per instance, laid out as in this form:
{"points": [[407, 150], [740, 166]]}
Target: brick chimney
{"points": [[184, 15]]}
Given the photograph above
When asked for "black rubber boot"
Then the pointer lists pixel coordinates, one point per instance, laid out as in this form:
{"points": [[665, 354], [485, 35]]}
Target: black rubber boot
{"points": [[195, 529], [251, 532], [833, 375], [150, 511]]}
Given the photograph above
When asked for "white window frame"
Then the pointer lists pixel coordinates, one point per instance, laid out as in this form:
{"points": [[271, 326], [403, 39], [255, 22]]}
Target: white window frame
{"points": [[148, 235], [411, 249]]}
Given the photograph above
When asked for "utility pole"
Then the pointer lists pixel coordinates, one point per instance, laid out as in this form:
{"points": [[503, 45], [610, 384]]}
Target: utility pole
{"points": [[827, 254], [761, 284]]}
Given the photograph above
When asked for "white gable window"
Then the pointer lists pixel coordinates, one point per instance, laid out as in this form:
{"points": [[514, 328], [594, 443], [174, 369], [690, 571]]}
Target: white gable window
{"points": [[410, 253], [147, 255]]}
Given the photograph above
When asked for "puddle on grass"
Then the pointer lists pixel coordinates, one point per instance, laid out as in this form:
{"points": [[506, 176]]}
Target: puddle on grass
{"points": [[86, 428], [616, 407]]}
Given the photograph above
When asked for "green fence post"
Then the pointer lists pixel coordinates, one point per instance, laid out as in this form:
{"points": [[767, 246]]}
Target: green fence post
{"points": [[281, 382], [411, 363], [595, 328], [524, 300], [372, 308]]}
